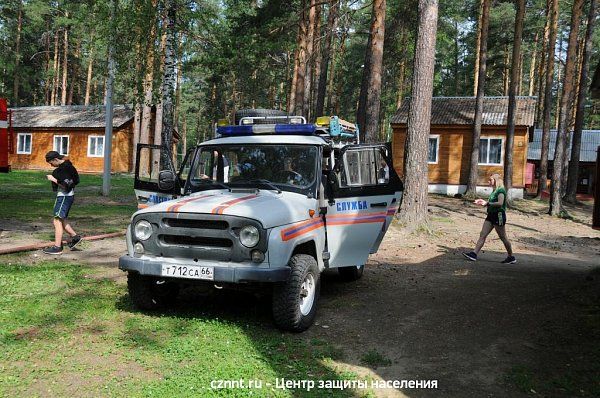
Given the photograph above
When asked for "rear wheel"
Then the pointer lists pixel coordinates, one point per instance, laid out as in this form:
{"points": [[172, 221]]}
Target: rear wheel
{"points": [[151, 293], [295, 301], [352, 273]]}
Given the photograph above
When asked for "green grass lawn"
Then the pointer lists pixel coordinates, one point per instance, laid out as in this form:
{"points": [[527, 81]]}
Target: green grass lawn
{"points": [[27, 197], [67, 330]]}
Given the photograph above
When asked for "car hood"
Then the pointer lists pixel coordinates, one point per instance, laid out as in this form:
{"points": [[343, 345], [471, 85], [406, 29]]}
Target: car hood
{"points": [[269, 208]]}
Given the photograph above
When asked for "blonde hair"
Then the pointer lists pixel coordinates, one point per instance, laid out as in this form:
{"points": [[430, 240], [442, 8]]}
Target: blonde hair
{"points": [[498, 181]]}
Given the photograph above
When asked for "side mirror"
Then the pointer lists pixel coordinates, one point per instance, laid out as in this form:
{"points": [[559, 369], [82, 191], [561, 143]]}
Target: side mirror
{"points": [[166, 180]]}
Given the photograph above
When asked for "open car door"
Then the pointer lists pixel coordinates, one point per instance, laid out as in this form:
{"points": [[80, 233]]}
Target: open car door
{"points": [[148, 172], [367, 195]]}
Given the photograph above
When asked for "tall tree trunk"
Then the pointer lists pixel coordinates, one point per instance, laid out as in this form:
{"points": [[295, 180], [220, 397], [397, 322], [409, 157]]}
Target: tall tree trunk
{"points": [[177, 110], [148, 97], [330, 30], [477, 48], [159, 107], [473, 169], [413, 209], [63, 97], [168, 86], [532, 67], [573, 175], [335, 85], [292, 96], [542, 69], [318, 60], [370, 89], [512, 92], [553, 14], [310, 60], [505, 74], [559, 80], [47, 84], [74, 72], [402, 67], [565, 108], [54, 72], [88, 82], [456, 59], [302, 60], [17, 54]]}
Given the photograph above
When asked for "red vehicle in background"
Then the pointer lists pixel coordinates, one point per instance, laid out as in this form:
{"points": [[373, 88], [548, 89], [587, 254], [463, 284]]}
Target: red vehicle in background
{"points": [[5, 136]]}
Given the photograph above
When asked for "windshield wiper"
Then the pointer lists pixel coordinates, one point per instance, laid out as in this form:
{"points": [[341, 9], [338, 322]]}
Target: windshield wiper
{"points": [[220, 184], [264, 182]]}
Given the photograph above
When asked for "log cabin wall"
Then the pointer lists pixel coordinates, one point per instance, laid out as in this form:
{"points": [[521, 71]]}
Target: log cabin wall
{"points": [[454, 151], [43, 141]]}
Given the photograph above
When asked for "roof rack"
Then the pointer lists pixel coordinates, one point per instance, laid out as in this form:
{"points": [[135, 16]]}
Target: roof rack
{"points": [[248, 120], [331, 128], [339, 130]]}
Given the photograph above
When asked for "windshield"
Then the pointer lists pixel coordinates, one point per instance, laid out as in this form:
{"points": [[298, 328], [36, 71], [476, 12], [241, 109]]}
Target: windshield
{"points": [[287, 167]]}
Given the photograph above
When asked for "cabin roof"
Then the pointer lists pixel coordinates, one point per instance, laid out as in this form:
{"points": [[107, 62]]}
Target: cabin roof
{"points": [[69, 116], [461, 111], [590, 140]]}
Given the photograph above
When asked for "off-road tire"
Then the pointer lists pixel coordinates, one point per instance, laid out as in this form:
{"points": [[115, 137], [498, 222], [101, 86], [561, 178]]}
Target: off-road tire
{"points": [[258, 113], [286, 295], [351, 273], [146, 294]]}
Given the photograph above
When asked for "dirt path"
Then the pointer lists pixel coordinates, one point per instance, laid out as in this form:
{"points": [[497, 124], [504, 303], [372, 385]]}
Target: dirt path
{"points": [[481, 329], [477, 328]]}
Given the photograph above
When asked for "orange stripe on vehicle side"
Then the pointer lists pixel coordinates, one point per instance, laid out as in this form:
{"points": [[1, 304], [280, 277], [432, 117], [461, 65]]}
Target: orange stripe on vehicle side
{"points": [[355, 215], [143, 206], [220, 208], [301, 228], [175, 207], [356, 221]]}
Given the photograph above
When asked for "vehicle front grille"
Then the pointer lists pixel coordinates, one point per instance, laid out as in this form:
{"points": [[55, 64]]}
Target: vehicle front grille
{"points": [[199, 236], [195, 241], [201, 224]]}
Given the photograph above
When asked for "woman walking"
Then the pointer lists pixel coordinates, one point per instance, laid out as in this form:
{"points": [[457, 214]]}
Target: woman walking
{"points": [[496, 219]]}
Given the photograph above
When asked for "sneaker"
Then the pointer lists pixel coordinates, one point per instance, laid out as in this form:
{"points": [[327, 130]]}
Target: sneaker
{"points": [[509, 260], [74, 241], [53, 250], [471, 256]]}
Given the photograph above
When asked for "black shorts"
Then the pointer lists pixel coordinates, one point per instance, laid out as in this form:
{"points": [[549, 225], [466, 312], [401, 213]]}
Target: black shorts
{"points": [[497, 218]]}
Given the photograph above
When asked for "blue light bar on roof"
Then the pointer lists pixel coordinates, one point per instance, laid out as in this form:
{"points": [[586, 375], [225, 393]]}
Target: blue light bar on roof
{"points": [[257, 129]]}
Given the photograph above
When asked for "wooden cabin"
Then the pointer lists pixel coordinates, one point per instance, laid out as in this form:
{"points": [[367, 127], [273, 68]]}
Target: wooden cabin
{"points": [[74, 131], [450, 142], [587, 179]]}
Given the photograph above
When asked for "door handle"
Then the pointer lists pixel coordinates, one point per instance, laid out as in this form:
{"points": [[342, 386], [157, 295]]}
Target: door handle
{"points": [[380, 204]]}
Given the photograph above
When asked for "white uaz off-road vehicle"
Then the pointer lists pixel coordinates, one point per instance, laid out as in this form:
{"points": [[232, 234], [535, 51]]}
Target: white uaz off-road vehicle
{"points": [[273, 203]]}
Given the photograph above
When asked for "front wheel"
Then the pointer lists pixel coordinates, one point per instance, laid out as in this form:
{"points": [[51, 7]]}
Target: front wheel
{"points": [[150, 293], [352, 273], [295, 301]]}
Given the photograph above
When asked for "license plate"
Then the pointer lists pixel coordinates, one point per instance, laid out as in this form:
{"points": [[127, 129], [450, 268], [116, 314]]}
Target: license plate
{"points": [[188, 271]]}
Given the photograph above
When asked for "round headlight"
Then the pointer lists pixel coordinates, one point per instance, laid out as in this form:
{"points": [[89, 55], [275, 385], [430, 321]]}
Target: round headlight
{"points": [[142, 230], [249, 236]]}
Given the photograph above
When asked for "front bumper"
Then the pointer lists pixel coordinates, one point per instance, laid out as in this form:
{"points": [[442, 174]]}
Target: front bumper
{"points": [[232, 274]]}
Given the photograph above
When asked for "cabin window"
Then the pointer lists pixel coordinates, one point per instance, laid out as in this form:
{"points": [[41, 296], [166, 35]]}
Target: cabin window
{"points": [[24, 143], [432, 156], [490, 151], [61, 144], [95, 146]]}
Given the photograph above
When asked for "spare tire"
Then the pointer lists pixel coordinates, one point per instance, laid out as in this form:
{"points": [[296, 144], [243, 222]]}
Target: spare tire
{"points": [[259, 113]]}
